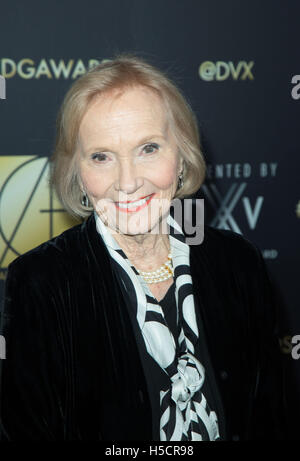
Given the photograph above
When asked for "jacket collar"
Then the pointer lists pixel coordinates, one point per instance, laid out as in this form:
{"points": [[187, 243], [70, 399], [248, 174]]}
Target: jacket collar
{"points": [[205, 297]]}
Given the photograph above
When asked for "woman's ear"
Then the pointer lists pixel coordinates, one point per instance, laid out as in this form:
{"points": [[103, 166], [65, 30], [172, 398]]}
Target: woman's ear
{"points": [[80, 184], [181, 163]]}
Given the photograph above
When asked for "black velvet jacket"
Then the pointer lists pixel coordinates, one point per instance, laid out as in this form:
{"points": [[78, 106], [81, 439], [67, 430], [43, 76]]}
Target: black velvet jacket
{"points": [[73, 371]]}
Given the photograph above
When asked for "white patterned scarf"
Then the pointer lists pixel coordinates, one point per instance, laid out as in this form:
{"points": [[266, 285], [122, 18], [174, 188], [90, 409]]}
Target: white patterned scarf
{"points": [[185, 413]]}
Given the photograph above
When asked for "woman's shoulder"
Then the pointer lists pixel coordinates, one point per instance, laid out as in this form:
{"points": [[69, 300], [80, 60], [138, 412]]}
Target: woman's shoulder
{"points": [[229, 239], [50, 254], [235, 265], [230, 247]]}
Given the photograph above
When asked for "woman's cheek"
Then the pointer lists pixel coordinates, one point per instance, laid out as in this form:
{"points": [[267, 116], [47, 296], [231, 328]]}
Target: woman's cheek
{"points": [[95, 186], [165, 176]]}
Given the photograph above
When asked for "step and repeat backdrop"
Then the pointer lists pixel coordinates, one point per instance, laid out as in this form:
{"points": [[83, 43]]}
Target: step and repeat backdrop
{"points": [[237, 63]]}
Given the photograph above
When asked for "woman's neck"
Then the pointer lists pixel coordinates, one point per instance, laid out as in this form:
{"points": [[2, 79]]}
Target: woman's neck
{"points": [[145, 251]]}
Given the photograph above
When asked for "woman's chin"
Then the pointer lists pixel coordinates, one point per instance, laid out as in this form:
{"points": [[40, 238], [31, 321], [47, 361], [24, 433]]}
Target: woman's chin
{"points": [[134, 227], [145, 221]]}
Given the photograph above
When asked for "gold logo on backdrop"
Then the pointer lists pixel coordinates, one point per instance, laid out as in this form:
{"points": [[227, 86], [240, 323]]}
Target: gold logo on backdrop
{"points": [[30, 213], [27, 68], [222, 70]]}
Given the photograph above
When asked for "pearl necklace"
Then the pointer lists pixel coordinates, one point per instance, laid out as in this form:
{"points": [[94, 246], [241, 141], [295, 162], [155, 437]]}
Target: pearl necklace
{"points": [[164, 272]]}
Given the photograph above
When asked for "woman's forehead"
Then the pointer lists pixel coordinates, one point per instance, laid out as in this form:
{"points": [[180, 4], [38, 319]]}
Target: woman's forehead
{"points": [[138, 98], [133, 109]]}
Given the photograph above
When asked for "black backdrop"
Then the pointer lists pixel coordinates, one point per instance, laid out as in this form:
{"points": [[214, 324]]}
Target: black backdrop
{"points": [[238, 64]]}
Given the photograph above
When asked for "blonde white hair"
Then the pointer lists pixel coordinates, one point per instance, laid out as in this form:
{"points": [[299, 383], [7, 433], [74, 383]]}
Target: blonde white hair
{"points": [[120, 73]]}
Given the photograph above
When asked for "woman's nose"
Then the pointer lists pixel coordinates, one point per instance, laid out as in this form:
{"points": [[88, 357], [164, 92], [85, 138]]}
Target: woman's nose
{"points": [[127, 180]]}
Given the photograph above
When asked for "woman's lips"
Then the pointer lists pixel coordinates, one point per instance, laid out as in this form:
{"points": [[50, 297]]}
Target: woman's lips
{"points": [[122, 206]]}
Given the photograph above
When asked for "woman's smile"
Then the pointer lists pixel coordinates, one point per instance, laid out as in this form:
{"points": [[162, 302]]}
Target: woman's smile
{"points": [[134, 206]]}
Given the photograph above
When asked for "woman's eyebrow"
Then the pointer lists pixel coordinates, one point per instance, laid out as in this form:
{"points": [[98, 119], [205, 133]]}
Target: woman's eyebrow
{"points": [[142, 141], [149, 138]]}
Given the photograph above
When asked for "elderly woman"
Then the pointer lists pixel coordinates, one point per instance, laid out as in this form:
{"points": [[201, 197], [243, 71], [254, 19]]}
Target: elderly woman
{"points": [[117, 329]]}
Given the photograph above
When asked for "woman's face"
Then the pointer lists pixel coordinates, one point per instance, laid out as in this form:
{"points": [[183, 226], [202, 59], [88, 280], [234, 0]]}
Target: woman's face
{"points": [[128, 160]]}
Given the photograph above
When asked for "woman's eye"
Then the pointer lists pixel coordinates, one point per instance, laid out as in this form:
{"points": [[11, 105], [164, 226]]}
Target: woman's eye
{"points": [[150, 148], [99, 157]]}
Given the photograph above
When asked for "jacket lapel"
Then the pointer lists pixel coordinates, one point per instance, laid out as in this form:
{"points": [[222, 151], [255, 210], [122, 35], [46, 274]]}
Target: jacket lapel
{"points": [[205, 300], [123, 374]]}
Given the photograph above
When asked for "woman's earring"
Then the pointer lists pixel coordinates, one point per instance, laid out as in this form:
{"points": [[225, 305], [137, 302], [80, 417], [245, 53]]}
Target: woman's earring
{"points": [[180, 180], [85, 200]]}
